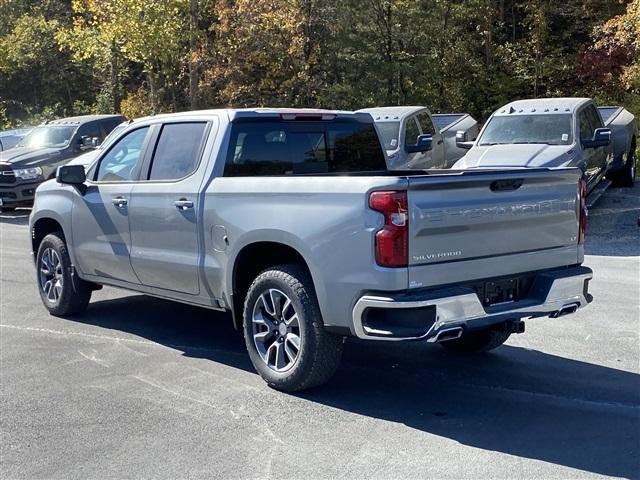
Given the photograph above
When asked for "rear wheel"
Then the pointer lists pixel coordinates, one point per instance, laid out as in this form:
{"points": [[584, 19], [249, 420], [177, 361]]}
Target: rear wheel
{"points": [[62, 293], [477, 341], [284, 332], [626, 176]]}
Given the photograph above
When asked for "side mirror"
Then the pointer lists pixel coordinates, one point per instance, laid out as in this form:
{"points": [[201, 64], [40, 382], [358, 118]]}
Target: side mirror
{"points": [[462, 140], [71, 175], [601, 138], [86, 142], [423, 144]]}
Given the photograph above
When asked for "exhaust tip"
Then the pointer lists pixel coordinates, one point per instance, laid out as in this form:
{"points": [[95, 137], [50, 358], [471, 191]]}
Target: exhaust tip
{"points": [[448, 334], [566, 310]]}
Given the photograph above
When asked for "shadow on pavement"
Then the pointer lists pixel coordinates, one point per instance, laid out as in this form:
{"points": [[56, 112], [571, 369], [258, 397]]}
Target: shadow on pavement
{"points": [[515, 401]]}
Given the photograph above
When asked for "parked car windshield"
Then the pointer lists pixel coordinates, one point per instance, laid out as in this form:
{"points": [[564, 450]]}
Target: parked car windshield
{"points": [[48, 136], [553, 129], [389, 134]]}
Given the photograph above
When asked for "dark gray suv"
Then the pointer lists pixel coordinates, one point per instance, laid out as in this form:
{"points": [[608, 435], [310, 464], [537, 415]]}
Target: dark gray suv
{"points": [[38, 155]]}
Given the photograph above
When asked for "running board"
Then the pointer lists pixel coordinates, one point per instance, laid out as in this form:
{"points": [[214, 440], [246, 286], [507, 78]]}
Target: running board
{"points": [[597, 192]]}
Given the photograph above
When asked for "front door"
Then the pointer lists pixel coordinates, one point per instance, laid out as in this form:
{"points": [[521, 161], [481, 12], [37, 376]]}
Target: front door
{"points": [[438, 159], [593, 159], [100, 216], [165, 208], [411, 133]]}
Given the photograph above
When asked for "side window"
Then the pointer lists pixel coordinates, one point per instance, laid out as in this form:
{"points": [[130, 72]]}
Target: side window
{"points": [[411, 132], [594, 117], [426, 125], [177, 151], [586, 129], [121, 161], [91, 130]]}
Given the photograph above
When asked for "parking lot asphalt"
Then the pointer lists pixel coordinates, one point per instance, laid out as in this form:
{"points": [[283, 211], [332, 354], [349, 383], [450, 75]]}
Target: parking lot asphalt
{"points": [[140, 387]]}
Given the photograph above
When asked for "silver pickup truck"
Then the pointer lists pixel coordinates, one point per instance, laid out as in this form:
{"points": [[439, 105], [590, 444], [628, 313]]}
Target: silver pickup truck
{"points": [[557, 132], [290, 220], [416, 139]]}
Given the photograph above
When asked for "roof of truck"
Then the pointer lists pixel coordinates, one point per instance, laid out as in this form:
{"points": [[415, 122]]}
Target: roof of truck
{"points": [[235, 113], [542, 105], [79, 119], [383, 114]]}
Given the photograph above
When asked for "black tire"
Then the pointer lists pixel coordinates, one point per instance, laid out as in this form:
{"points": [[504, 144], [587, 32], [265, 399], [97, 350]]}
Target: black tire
{"points": [[73, 294], [626, 176], [319, 352], [478, 341]]}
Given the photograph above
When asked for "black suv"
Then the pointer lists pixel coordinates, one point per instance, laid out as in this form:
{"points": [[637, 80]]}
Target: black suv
{"points": [[39, 154]]}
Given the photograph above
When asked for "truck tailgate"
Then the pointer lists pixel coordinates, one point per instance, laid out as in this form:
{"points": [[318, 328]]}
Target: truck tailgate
{"points": [[491, 223]]}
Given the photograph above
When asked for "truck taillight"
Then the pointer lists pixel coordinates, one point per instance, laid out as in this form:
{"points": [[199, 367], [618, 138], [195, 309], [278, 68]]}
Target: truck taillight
{"points": [[582, 198], [392, 240]]}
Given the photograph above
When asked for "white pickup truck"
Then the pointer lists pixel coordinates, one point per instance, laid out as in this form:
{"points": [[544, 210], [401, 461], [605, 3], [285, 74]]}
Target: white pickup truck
{"points": [[291, 221]]}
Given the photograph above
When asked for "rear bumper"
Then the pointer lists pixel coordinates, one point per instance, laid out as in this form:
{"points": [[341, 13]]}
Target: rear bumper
{"points": [[552, 294]]}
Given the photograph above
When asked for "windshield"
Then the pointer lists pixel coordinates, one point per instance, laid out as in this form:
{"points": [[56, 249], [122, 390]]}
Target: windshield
{"points": [[49, 136], [389, 133], [554, 129]]}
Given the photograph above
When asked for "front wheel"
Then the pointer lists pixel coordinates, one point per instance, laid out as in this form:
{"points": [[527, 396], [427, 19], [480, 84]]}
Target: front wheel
{"points": [[284, 332], [478, 341], [61, 292]]}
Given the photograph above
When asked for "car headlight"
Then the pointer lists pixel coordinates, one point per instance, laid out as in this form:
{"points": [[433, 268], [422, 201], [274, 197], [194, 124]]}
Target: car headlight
{"points": [[27, 173]]}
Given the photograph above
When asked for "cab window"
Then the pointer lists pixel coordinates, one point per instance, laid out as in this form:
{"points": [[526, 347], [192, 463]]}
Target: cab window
{"points": [[411, 132], [121, 163], [586, 128], [426, 125], [177, 151]]}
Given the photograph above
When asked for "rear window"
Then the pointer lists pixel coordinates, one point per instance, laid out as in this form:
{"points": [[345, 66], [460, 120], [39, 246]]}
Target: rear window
{"points": [[304, 147]]}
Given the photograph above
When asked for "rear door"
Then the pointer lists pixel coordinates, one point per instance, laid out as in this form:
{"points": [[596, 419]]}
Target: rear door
{"points": [[485, 224], [165, 209]]}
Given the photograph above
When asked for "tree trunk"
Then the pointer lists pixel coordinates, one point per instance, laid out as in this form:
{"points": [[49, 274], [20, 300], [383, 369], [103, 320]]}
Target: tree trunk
{"points": [[113, 79], [193, 64], [153, 90]]}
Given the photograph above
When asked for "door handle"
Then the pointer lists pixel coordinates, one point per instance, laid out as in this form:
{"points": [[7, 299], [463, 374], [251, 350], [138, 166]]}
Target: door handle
{"points": [[440, 142], [183, 204], [120, 202]]}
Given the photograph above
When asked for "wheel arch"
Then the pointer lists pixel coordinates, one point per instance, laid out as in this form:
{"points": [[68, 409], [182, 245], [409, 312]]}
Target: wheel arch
{"points": [[252, 259], [42, 227]]}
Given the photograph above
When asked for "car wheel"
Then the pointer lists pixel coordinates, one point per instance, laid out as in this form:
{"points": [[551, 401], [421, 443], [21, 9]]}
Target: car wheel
{"points": [[62, 293], [626, 176], [284, 332], [477, 341]]}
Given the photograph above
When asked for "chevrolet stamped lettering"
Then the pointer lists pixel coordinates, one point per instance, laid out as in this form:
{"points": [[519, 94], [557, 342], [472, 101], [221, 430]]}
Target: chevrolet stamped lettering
{"points": [[515, 210]]}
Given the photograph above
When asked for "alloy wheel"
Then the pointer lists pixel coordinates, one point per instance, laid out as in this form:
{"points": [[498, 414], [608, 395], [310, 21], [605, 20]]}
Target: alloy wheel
{"points": [[276, 330], [51, 277]]}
